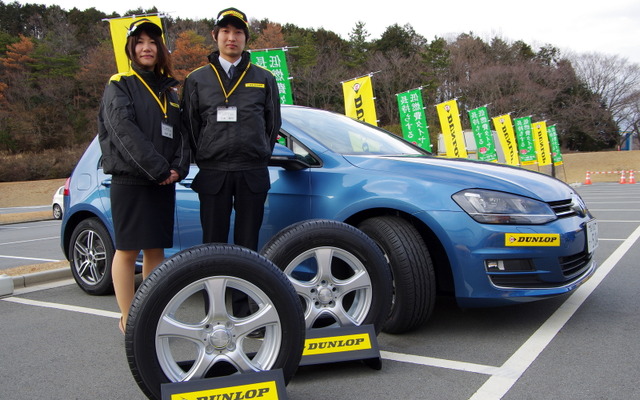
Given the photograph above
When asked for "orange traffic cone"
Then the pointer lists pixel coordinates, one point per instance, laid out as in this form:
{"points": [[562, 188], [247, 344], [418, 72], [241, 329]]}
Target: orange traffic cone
{"points": [[622, 178], [587, 179], [632, 177]]}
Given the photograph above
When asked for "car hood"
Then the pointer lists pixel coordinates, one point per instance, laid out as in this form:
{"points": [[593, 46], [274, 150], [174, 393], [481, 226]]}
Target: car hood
{"points": [[464, 174]]}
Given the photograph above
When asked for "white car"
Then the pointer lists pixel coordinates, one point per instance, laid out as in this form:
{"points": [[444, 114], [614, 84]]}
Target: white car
{"points": [[57, 204]]}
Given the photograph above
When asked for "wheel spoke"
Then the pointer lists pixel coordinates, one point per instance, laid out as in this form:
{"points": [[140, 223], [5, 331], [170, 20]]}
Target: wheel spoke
{"points": [[90, 239], [359, 281], [267, 315], [201, 365], [100, 255], [324, 256], [216, 292], [95, 274], [240, 360], [83, 266], [302, 288], [80, 249], [311, 315], [169, 327], [342, 316]]}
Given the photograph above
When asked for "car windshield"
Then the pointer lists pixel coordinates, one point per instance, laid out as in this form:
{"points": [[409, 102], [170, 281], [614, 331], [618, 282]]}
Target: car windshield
{"points": [[347, 136]]}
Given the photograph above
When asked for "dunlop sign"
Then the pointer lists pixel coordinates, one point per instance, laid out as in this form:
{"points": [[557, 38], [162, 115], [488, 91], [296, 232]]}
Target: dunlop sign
{"points": [[532, 239], [328, 345], [336, 344], [264, 385]]}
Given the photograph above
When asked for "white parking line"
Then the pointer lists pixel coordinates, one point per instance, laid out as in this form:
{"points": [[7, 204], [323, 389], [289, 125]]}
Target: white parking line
{"points": [[441, 363], [509, 373], [31, 240], [29, 258], [65, 307]]}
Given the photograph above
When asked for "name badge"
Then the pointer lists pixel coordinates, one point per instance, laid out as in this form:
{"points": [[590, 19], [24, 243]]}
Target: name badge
{"points": [[167, 130], [227, 114]]}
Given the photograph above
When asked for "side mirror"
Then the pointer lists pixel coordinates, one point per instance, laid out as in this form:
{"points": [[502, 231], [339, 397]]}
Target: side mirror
{"points": [[283, 157]]}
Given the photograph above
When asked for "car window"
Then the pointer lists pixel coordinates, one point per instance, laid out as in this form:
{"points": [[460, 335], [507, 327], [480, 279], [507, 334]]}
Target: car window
{"points": [[301, 152], [344, 135]]}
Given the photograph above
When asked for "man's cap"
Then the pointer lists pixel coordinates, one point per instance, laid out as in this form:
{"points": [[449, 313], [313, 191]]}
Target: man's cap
{"points": [[232, 13], [144, 24]]}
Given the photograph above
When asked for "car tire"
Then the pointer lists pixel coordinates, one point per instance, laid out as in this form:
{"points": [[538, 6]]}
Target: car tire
{"points": [[90, 255], [340, 275], [182, 324], [57, 211], [412, 269]]}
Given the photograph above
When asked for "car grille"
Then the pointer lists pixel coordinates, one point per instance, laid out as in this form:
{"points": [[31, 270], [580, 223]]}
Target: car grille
{"points": [[563, 208], [572, 267]]}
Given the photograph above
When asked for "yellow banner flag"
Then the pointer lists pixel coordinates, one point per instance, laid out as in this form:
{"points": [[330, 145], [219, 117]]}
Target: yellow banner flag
{"points": [[541, 142], [359, 102], [119, 28], [452, 129], [507, 137]]}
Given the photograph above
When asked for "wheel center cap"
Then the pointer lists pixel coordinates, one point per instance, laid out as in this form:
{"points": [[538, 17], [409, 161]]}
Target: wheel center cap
{"points": [[220, 338], [325, 296]]}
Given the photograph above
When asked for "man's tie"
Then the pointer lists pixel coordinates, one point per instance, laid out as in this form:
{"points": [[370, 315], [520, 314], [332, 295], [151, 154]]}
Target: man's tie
{"points": [[232, 71]]}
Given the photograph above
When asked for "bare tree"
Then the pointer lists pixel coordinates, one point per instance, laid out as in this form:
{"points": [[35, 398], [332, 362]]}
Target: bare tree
{"points": [[617, 82]]}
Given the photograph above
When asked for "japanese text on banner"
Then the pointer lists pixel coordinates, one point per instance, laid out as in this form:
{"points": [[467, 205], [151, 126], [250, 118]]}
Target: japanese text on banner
{"points": [[276, 62], [554, 143], [481, 127], [413, 119], [524, 137]]}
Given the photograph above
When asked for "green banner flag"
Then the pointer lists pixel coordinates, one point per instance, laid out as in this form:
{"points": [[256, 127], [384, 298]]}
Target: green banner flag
{"points": [[276, 62], [524, 137], [481, 127], [413, 119], [556, 156]]}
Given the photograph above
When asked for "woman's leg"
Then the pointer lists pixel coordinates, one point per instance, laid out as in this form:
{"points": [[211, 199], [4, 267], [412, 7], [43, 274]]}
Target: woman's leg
{"points": [[151, 258], [122, 274]]}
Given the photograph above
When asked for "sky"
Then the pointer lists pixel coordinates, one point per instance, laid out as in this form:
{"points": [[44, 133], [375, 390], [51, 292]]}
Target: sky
{"points": [[609, 27]]}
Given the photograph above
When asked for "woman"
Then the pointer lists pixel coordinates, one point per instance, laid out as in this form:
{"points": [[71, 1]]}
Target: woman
{"points": [[143, 148]]}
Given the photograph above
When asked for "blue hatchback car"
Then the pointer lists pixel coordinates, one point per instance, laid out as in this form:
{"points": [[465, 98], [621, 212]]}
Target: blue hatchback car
{"points": [[488, 234]]}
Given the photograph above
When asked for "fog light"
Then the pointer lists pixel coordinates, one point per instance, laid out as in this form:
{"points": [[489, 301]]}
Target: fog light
{"points": [[495, 265], [508, 265]]}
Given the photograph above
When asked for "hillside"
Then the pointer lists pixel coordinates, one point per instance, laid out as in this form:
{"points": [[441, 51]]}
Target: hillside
{"points": [[33, 193]]}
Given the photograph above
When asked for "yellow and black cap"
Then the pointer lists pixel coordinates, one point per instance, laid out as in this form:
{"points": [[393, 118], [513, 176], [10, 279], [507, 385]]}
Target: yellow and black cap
{"points": [[144, 24], [228, 14]]}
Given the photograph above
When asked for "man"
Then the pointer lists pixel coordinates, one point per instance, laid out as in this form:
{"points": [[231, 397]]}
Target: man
{"points": [[233, 120]]}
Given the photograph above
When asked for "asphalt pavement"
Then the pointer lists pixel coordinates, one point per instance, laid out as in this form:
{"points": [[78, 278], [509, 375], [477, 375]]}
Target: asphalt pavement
{"points": [[61, 343]]}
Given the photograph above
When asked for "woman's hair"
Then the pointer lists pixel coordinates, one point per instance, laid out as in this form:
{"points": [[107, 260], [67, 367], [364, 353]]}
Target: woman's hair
{"points": [[163, 66]]}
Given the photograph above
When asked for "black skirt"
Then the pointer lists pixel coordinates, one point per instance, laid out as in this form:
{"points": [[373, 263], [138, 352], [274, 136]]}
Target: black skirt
{"points": [[143, 215]]}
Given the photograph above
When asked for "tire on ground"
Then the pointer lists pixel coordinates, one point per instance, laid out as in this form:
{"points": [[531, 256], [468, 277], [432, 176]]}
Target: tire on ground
{"points": [[90, 255], [412, 268], [341, 276], [183, 323]]}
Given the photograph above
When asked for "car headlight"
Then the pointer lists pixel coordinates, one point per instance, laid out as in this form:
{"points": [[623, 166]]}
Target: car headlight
{"points": [[490, 207]]}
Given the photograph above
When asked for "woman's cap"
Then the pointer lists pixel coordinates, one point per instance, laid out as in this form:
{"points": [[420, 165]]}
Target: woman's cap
{"points": [[144, 24]]}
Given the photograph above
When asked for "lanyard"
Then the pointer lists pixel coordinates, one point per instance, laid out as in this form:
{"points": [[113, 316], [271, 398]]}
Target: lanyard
{"points": [[162, 107], [224, 91]]}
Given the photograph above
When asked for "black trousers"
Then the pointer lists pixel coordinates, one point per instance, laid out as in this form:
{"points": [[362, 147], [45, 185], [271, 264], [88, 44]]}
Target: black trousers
{"points": [[236, 193]]}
